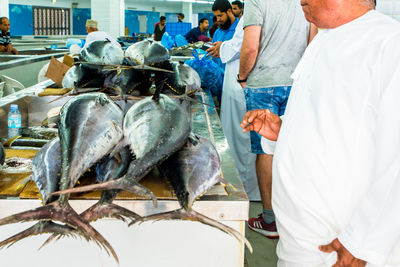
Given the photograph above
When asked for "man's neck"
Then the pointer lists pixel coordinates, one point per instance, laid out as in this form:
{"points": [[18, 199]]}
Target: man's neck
{"points": [[232, 18]]}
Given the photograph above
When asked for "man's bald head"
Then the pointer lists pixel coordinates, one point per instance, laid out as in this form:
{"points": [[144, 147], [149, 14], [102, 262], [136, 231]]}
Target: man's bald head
{"points": [[334, 13], [4, 24]]}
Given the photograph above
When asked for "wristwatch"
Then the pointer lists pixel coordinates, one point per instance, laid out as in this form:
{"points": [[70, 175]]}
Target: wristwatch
{"points": [[239, 80]]}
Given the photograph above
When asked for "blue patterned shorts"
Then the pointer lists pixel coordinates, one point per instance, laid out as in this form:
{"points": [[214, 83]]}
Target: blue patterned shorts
{"points": [[272, 98]]}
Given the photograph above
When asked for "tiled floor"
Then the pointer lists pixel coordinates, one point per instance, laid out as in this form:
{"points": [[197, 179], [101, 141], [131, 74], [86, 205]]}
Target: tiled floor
{"points": [[263, 248]]}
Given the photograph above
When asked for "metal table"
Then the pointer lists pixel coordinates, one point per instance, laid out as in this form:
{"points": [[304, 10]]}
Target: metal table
{"points": [[163, 243]]}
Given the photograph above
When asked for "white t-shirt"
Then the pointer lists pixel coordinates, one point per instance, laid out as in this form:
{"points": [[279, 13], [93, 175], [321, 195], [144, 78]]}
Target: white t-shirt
{"points": [[336, 168], [96, 36]]}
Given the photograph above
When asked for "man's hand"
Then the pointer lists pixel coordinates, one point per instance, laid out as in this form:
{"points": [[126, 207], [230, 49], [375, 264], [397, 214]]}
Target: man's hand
{"points": [[214, 51], [9, 48], [344, 257], [14, 51], [263, 122]]}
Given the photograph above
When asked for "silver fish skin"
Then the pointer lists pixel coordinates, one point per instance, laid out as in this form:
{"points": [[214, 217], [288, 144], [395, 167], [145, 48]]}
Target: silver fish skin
{"points": [[70, 78], [90, 127], [189, 78], [110, 168], [103, 52], [193, 170], [134, 55], [154, 130], [46, 169], [156, 53]]}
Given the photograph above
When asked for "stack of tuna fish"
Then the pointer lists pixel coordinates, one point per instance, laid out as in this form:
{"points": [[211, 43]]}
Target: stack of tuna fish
{"points": [[122, 148], [105, 66]]}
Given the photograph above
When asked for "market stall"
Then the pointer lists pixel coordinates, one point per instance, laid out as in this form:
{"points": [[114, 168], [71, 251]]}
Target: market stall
{"points": [[162, 243]]}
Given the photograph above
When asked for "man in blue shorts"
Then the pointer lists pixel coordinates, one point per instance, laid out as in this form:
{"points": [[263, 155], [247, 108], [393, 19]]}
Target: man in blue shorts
{"points": [[275, 38]]}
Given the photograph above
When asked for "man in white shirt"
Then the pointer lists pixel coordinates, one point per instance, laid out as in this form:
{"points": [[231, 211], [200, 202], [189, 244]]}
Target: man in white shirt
{"points": [[336, 172], [233, 108], [95, 35]]}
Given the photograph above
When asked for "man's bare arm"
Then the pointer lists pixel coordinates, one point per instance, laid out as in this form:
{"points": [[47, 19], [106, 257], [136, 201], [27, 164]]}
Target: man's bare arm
{"points": [[249, 53]]}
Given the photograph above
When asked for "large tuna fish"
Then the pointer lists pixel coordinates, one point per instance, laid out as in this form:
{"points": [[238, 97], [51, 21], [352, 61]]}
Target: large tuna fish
{"points": [[106, 170], [154, 128], [134, 55], [46, 171], [146, 52], [90, 126], [103, 52], [183, 80], [129, 81], [192, 171], [84, 75]]}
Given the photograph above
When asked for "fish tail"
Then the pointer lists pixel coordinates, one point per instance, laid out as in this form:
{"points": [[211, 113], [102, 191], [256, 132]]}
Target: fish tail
{"points": [[108, 210], [95, 212], [120, 184], [64, 213], [39, 228], [182, 214]]}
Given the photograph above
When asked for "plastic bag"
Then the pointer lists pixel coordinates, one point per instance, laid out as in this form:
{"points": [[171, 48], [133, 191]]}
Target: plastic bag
{"points": [[180, 40], [211, 75], [167, 41]]}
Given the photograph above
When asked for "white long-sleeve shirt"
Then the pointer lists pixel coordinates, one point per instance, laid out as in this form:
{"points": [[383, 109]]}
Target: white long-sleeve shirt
{"points": [[337, 163]]}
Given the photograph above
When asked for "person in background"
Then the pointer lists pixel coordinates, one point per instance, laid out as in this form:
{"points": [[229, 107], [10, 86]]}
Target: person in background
{"points": [[336, 189], [275, 38], [233, 109], [181, 17], [159, 29], [214, 27], [222, 9], [5, 39], [198, 33], [237, 9], [95, 35]]}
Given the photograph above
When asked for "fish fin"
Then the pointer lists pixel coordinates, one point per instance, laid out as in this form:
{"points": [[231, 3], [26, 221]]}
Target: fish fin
{"points": [[10, 141], [120, 184], [118, 147], [95, 212], [108, 210], [156, 96], [23, 183], [41, 227], [226, 183], [65, 214], [182, 214]]}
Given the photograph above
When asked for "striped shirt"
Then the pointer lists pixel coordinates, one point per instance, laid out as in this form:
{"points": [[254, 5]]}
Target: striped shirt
{"points": [[5, 38]]}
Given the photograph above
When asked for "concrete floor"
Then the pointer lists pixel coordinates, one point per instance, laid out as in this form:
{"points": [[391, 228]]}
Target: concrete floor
{"points": [[264, 254]]}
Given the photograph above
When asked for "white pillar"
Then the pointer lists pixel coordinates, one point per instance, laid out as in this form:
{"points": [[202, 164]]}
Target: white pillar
{"points": [[110, 14], [187, 11], [4, 8]]}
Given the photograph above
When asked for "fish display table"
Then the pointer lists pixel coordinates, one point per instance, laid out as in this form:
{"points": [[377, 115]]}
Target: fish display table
{"points": [[160, 243]]}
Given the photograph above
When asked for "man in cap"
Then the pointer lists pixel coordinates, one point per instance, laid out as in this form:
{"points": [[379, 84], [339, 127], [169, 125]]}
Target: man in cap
{"points": [[95, 35]]}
